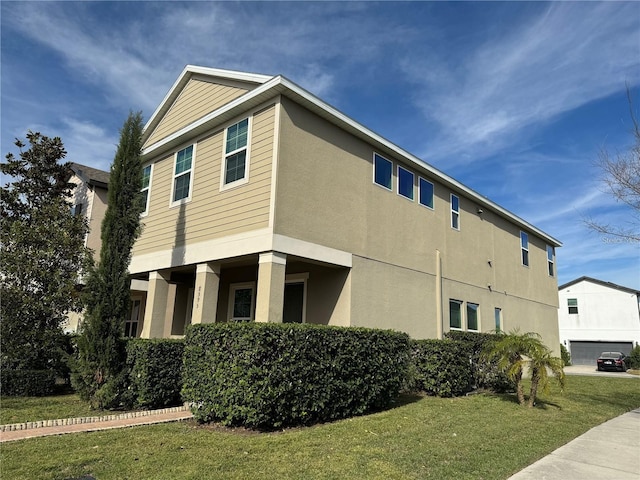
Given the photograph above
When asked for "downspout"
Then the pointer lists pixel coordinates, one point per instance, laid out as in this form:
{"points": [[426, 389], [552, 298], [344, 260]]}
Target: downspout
{"points": [[438, 295]]}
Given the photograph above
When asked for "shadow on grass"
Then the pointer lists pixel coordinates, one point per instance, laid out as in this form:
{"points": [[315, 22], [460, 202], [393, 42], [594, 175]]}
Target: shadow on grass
{"points": [[511, 397]]}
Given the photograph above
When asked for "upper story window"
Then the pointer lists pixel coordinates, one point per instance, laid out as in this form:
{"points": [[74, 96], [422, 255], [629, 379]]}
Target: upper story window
{"points": [[455, 212], [382, 171], [551, 260], [76, 209], [182, 175], [236, 158], [572, 303], [524, 247], [146, 188], [405, 183], [425, 192]]}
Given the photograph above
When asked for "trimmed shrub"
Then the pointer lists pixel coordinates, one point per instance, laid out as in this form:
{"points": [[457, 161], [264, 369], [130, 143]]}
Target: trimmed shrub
{"points": [[565, 355], [441, 367], [154, 372], [265, 375], [485, 372], [633, 361], [27, 383]]}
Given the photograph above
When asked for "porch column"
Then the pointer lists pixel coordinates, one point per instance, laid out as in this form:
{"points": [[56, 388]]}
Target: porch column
{"points": [[270, 296], [205, 295], [159, 299]]}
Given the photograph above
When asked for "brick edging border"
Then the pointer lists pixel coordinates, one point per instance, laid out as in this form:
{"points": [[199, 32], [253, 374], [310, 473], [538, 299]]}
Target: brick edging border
{"points": [[78, 420]]}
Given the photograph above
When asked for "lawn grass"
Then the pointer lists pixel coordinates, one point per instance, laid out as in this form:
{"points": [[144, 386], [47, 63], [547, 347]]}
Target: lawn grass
{"points": [[476, 437], [29, 409]]}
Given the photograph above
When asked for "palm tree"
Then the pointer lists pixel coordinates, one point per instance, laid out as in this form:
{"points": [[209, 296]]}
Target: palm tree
{"points": [[514, 352]]}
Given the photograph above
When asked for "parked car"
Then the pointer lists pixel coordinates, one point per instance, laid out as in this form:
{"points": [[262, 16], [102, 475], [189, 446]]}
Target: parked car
{"points": [[612, 361]]}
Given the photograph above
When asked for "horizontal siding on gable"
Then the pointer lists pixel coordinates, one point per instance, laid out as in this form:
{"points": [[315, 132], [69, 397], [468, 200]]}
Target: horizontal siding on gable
{"points": [[211, 213], [196, 100]]}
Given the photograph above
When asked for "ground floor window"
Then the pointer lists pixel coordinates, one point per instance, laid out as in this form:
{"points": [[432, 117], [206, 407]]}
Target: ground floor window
{"points": [[455, 314], [241, 302], [497, 313], [472, 316], [131, 325]]}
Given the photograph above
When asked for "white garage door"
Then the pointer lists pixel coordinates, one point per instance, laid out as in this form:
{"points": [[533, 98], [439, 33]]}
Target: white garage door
{"points": [[586, 353]]}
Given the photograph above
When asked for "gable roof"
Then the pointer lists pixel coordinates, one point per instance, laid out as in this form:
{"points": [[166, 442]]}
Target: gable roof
{"points": [[599, 282], [91, 175], [269, 87]]}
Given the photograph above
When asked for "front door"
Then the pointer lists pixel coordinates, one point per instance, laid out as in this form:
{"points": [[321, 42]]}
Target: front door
{"points": [[293, 311]]}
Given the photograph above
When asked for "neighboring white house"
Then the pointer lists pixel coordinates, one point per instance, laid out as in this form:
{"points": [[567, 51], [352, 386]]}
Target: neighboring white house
{"points": [[597, 316]]}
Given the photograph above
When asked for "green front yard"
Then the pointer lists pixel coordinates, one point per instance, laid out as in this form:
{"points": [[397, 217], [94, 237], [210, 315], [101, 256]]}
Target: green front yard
{"points": [[475, 437]]}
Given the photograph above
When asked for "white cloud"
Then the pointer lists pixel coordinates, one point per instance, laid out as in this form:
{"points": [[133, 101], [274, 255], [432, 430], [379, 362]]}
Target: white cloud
{"points": [[571, 54]]}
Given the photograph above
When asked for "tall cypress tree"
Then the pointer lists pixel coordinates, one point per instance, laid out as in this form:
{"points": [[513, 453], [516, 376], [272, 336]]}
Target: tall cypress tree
{"points": [[99, 371]]}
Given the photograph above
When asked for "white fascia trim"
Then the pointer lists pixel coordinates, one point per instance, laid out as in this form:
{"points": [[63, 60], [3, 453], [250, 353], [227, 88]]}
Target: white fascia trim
{"points": [[248, 243], [213, 115], [184, 77], [341, 117], [283, 85]]}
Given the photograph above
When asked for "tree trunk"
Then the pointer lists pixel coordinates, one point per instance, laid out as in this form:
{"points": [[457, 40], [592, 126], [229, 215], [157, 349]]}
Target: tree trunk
{"points": [[535, 379], [520, 389]]}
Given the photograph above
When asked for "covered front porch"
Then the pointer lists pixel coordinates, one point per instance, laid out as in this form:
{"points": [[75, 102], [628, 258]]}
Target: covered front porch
{"points": [[265, 287]]}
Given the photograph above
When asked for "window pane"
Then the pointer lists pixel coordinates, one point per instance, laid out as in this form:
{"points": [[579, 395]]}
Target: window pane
{"points": [[550, 253], [382, 172], [145, 200], [524, 240], [181, 187], [455, 203], [242, 303], [498, 317], [237, 135], [405, 183], [146, 176], [455, 318], [426, 193], [573, 305], [525, 257], [472, 316], [235, 167], [183, 160]]}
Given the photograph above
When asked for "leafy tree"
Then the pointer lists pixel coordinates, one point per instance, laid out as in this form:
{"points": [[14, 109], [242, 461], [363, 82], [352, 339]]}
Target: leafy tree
{"points": [[565, 355], [42, 254], [515, 352], [622, 180], [99, 374]]}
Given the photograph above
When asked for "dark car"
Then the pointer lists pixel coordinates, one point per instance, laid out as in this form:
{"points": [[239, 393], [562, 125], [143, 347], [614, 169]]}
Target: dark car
{"points": [[612, 361]]}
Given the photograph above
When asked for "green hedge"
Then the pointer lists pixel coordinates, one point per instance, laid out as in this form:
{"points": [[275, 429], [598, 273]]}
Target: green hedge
{"points": [[155, 372], [268, 376], [485, 373], [633, 360], [27, 383], [441, 367]]}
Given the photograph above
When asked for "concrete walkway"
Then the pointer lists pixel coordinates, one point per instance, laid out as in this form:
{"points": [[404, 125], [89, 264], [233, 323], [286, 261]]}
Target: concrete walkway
{"points": [[608, 451], [21, 431]]}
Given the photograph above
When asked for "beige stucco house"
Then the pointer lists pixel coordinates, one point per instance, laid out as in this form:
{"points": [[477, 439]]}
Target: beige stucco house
{"points": [[264, 203]]}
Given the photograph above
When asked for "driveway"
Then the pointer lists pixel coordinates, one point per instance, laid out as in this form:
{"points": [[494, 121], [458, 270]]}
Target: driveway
{"points": [[591, 370]]}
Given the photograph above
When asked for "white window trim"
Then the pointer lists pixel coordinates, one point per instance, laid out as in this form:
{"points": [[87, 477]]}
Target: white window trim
{"points": [[374, 172], [456, 212], [477, 317], [524, 249], [241, 286], [413, 183], [172, 202], [225, 155], [148, 189], [300, 278], [433, 193]]}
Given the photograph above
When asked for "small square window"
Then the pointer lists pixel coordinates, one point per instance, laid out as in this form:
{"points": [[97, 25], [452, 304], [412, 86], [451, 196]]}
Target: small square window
{"points": [[572, 303], [455, 212], [241, 302], [426, 193], [382, 171], [455, 314], [405, 183], [524, 247]]}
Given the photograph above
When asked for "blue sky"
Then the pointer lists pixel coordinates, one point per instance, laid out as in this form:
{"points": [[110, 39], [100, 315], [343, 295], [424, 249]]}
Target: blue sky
{"points": [[514, 99]]}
